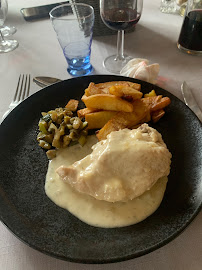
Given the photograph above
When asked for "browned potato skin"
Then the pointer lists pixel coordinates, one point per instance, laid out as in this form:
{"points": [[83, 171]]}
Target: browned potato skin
{"points": [[107, 102], [125, 98], [72, 105], [97, 120], [114, 124], [123, 120], [156, 103], [156, 115], [164, 102], [125, 91], [103, 88], [94, 89], [82, 112]]}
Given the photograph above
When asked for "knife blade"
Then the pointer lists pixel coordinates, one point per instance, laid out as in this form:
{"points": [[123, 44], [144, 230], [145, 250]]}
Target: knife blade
{"points": [[190, 100], [45, 81]]}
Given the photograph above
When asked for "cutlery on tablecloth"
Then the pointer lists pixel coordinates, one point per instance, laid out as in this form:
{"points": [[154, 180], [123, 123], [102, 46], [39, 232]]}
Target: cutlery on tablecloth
{"points": [[45, 81], [190, 100], [22, 92]]}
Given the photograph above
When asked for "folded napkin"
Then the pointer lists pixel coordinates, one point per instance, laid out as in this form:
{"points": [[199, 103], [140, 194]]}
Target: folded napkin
{"points": [[138, 68]]}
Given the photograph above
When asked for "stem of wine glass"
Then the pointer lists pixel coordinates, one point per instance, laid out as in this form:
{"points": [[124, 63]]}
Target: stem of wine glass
{"points": [[120, 45], [2, 37]]}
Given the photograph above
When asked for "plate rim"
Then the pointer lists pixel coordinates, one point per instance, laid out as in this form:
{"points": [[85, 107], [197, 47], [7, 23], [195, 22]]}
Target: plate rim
{"points": [[131, 256]]}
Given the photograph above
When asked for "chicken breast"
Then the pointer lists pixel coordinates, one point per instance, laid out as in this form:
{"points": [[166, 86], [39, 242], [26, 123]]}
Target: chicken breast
{"points": [[122, 167]]}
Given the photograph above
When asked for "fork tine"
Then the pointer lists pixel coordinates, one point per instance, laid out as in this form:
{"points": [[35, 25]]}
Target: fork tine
{"points": [[25, 87], [17, 89], [21, 86], [28, 87], [21, 92]]}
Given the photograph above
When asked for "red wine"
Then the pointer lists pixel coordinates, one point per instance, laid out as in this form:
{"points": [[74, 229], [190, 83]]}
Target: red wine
{"points": [[191, 32], [120, 19]]}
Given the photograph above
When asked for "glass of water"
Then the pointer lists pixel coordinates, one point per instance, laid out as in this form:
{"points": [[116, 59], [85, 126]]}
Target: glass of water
{"points": [[73, 24]]}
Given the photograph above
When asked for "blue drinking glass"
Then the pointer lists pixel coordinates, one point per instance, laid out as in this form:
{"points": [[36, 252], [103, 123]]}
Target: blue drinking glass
{"points": [[73, 24]]}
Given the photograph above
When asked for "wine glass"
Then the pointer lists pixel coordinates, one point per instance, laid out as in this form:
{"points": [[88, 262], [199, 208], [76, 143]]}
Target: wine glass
{"points": [[119, 15], [7, 30], [5, 45]]}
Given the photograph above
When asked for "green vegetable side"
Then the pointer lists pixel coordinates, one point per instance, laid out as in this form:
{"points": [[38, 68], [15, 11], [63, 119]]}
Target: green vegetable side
{"points": [[60, 128]]}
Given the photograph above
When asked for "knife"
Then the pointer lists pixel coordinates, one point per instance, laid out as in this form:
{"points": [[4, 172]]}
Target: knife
{"points": [[45, 81], [190, 100]]}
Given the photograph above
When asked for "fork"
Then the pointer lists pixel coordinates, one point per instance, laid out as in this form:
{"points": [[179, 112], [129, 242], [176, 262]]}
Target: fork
{"points": [[22, 92]]}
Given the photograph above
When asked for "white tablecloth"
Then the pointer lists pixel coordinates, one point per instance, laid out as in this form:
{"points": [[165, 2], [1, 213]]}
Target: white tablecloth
{"points": [[39, 53]]}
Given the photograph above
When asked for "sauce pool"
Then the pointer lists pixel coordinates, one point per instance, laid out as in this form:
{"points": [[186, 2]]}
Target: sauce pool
{"points": [[90, 210]]}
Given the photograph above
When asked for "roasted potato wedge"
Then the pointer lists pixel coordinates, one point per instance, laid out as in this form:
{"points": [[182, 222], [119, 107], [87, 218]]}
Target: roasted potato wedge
{"points": [[97, 120], [164, 102], [114, 124], [103, 88], [152, 93], [94, 89], [82, 112], [140, 112], [72, 105], [156, 103], [151, 101], [156, 115], [125, 91], [107, 102], [124, 120]]}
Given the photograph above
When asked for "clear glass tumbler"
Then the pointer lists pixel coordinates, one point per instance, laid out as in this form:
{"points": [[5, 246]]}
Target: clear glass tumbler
{"points": [[73, 24], [190, 38]]}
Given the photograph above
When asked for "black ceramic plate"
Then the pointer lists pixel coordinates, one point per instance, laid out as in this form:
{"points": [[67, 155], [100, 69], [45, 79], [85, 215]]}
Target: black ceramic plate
{"points": [[32, 217]]}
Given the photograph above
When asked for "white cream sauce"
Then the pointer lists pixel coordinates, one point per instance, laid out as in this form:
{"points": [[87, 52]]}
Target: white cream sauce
{"points": [[96, 212]]}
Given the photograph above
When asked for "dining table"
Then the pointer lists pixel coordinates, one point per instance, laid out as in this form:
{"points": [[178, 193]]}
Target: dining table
{"points": [[39, 54]]}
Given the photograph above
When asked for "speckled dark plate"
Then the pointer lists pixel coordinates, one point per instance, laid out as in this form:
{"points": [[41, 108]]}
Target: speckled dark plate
{"points": [[37, 221]]}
